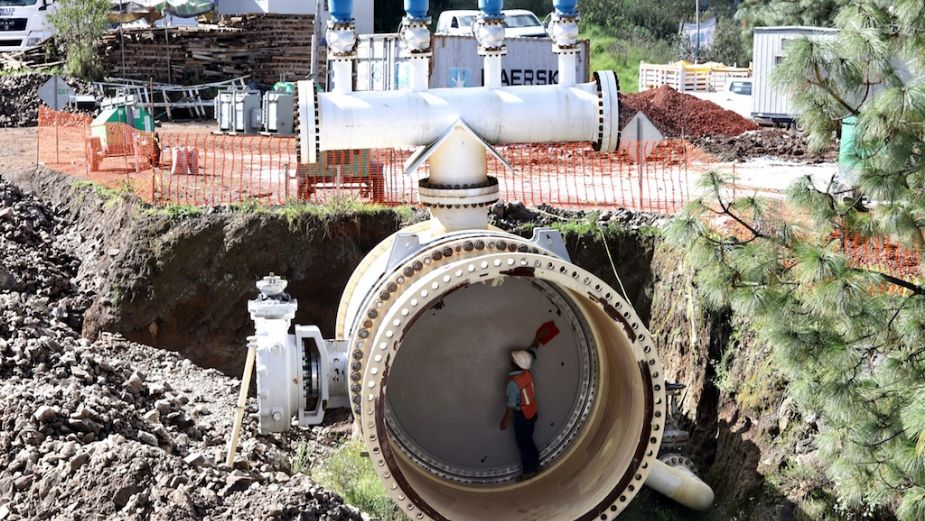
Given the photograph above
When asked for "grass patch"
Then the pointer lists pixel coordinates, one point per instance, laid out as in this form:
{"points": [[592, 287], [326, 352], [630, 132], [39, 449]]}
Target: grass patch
{"points": [[110, 196], [349, 473], [622, 54], [181, 211]]}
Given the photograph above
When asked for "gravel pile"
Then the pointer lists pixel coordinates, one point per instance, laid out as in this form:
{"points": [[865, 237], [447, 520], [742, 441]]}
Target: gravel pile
{"points": [[772, 142], [680, 115], [113, 429], [19, 99]]}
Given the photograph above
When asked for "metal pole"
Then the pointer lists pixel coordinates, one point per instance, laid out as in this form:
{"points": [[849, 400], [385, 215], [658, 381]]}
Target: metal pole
{"points": [[167, 43], [697, 48], [57, 105], [122, 38]]}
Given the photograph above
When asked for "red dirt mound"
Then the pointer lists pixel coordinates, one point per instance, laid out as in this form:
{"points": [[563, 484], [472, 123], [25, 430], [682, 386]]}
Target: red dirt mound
{"points": [[680, 115]]}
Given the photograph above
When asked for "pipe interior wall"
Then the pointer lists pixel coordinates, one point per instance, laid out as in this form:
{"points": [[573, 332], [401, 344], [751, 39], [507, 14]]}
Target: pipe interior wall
{"points": [[528, 114]]}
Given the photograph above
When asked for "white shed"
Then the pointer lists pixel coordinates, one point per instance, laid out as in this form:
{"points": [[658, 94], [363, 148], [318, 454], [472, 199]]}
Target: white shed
{"points": [[770, 46]]}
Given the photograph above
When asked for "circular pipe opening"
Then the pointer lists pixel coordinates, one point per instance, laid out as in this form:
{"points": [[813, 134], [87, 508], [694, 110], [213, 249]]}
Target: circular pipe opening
{"points": [[432, 394]]}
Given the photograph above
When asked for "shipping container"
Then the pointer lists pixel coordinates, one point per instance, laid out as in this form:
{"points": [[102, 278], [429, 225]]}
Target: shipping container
{"points": [[456, 62], [771, 104]]}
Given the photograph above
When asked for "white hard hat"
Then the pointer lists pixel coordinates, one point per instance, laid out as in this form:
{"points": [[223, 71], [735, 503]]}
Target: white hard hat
{"points": [[523, 359]]}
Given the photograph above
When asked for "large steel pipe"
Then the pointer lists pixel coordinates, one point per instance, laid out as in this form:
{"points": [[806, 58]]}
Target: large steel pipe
{"points": [[430, 335]]}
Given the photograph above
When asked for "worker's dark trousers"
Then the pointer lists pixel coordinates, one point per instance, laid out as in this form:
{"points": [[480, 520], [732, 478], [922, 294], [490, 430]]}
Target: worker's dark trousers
{"points": [[523, 432]]}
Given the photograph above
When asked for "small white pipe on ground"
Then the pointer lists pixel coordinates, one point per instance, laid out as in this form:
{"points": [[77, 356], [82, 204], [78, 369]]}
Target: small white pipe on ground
{"points": [[493, 71], [567, 73], [681, 485]]}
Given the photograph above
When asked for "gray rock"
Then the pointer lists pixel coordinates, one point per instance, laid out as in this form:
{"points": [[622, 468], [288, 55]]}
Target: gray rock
{"points": [[135, 383], [78, 461], [44, 414], [235, 483], [147, 438], [195, 459], [23, 482]]}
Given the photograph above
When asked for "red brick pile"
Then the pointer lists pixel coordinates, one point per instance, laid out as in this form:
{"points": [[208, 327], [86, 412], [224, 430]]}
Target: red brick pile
{"points": [[680, 115]]}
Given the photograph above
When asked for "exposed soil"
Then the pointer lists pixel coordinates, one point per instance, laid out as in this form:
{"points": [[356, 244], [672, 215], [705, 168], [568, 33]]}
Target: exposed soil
{"points": [[769, 142], [680, 115]]}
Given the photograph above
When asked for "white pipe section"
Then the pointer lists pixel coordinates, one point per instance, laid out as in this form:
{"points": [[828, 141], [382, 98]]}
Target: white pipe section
{"points": [[681, 485], [342, 75], [493, 71], [567, 69], [522, 114], [420, 75], [460, 160]]}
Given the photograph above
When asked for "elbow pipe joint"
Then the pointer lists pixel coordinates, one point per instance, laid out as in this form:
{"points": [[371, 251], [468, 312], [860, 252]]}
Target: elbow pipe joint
{"points": [[563, 30]]}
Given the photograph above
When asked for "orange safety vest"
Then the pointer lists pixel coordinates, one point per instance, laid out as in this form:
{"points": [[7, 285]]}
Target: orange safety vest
{"points": [[524, 382]]}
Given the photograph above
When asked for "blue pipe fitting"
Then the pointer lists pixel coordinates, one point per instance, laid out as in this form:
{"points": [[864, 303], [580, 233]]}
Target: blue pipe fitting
{"points": [[417, 9], [491, 8], [341, 11], [566, 7]]}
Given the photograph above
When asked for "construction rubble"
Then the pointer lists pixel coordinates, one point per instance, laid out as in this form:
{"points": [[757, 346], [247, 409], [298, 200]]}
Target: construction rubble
{"points": [[112, 429]]}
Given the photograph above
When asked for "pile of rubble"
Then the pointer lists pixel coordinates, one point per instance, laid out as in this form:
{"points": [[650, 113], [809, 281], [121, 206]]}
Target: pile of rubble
{"points": [[19, 100], [113, 429], [771, 142], [513, 215], [681, 115]]}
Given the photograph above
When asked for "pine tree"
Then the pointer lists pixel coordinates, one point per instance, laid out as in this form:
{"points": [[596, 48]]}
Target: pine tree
{"points": [[848, 335]]}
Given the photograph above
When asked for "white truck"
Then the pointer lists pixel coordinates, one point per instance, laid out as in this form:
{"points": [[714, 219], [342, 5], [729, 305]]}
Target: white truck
{"points": [[24, 23], [517, 23]]}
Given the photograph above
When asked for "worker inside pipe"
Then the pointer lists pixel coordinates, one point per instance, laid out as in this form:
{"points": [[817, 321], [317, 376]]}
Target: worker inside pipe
{"points": [[521, 406]]}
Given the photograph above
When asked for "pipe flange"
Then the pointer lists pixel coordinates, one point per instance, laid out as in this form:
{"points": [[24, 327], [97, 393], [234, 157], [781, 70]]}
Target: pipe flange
{"points": [[458, 197], [673, 459], [394, 317], [309, 122], [608, 134], [425, 183]]}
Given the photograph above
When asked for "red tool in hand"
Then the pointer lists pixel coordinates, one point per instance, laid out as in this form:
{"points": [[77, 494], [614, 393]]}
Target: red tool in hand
{"points": [[547, 332]]}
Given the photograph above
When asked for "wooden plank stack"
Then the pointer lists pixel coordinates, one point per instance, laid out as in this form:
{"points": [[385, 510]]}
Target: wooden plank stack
{"points": [[264, 47]]}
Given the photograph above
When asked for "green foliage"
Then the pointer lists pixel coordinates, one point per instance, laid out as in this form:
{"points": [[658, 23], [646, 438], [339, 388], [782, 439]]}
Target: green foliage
{"points": [[349, 473], [79, 26], [819, 13], [852, 352], [622, 54], [660, 19], [181, 211], [110, 196]]}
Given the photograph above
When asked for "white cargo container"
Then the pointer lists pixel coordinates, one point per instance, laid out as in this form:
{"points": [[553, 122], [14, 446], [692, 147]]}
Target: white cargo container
{"points": [[769, 103], [456, 62]]}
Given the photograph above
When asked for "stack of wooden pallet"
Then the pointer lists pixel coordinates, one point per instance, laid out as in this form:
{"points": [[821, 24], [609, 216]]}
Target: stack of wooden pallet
{"points": [[264, 47]]}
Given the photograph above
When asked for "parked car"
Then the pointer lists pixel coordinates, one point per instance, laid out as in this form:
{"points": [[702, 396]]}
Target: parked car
{"points": [[736, 96], [517, 23]]}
